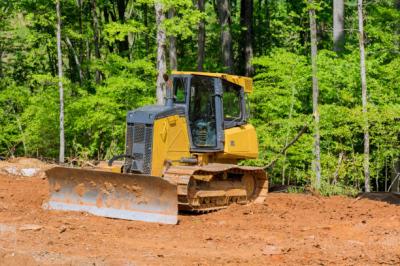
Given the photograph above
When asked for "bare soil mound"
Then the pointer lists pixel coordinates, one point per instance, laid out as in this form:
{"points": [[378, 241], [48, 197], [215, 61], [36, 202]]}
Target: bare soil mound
{"points": [[289, 229], [24, 167]]}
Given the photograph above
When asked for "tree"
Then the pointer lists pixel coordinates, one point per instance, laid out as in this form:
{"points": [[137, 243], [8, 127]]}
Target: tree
{"points": [[161, 43], [201, 37], [173, 61], [397, 31], [96, 36], [364, 94], [338, 25], [60, 84], [315, 94], [224, 17], [246, 21]]}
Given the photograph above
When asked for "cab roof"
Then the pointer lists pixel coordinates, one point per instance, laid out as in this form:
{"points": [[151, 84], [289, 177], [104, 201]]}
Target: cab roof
{"points": [[245, 82]]}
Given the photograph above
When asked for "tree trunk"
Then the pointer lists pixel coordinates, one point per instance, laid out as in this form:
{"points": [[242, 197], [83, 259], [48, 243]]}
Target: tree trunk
{"points": [[246, 21], [1, 64], [397, 30], [60, 84], [96, 34], [338, 26], [364, 94], [161, 62], [123, 46], [145, 11], [173, 62], [81, 41], [268, 24], [201, 38], [76, 59], [315, 94], [226, 38], [106, 15]]}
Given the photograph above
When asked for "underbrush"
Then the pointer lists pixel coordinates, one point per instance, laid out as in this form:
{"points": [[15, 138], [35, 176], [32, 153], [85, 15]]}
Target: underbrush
{"points": [[326, 189]]}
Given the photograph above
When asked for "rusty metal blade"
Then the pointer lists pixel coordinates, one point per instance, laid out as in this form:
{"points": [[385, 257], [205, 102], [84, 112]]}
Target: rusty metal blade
{"points": [[124, 196]]}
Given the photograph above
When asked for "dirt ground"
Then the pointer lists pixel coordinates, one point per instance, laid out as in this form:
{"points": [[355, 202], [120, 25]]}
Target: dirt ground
{"points": [[290, 229]]}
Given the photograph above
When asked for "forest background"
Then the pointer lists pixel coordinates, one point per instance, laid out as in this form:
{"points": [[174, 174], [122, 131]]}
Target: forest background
{"points": [[109, 62]]}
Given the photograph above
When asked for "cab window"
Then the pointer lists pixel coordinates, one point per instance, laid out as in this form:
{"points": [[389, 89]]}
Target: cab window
{"points": [[180, 90], [202, 116], [232, 101]]}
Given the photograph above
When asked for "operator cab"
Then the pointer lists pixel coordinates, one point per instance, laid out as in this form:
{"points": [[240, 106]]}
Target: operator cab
{"points": [[212, 104]]}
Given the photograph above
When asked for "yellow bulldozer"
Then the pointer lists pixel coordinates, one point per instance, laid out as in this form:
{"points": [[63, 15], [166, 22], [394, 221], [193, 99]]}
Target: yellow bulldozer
{"points": [[183, 155]]}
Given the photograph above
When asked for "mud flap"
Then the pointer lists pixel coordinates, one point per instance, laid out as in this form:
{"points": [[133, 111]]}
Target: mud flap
{"points": [[124, 196]]}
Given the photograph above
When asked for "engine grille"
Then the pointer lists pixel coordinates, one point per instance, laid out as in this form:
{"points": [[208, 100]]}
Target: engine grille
{"points": [[139, 130], [147, 147], [129, 144], [139, 145]]}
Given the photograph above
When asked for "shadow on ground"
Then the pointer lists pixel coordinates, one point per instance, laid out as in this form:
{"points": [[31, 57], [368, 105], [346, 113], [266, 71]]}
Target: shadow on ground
{"points": [[389, 197]]}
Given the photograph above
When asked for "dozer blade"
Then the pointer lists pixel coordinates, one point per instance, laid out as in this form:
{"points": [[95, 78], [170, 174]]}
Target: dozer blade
{"points": [[124, 196]]}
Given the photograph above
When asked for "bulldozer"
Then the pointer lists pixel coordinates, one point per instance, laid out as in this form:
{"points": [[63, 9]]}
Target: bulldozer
{"points": [[180, 156]]}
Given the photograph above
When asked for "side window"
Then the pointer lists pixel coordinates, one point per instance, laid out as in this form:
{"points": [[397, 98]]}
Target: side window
{"points": [[232, 101], [180, 90]]}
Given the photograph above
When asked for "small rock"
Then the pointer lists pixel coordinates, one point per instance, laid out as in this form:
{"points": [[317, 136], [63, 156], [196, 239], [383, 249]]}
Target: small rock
{"points": [[328, 227], [312, 237], [317, 246], [11, 170], [30, 227], [29, 172], [209, 238], [271, 250], [355, 242], [63, 229]]}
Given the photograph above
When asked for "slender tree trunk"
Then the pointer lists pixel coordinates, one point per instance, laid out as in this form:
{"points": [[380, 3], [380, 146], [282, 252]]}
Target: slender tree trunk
{"points": [[288, 131], [81, 41], [246, 21], [173, 62], [161, 62], [386, 175], [1, 64], [96, 34], [145, 11], [201, 38], [123, 46], [397, 30], [226, 38], [60, 84], [364, 94], [338, 26], [52, 64], [88, 57], [76, 59], [315, 95], [268, 24]]}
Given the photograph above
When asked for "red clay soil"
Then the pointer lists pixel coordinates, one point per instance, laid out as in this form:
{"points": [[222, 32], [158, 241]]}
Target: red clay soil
{"points": [[289, 229]]}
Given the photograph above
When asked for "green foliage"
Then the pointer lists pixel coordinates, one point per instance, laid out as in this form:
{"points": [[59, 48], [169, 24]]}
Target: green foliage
{"points": [[125, 63], [328, 189], [281, 105]]}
